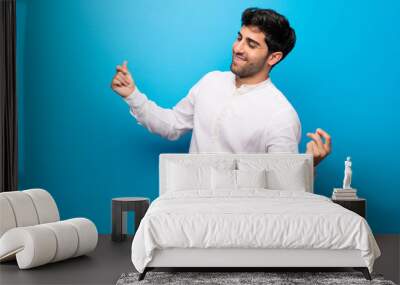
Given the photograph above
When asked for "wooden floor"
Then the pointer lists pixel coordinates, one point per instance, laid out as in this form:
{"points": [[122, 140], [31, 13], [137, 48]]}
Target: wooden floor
{"points": [[111, 259]]}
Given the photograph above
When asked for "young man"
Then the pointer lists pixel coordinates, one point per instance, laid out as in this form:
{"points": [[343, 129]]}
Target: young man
{"points": [[238, 111]]}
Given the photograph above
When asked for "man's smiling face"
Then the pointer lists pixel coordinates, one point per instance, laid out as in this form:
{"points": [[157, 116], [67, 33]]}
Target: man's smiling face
{"points": [[249, 52]]}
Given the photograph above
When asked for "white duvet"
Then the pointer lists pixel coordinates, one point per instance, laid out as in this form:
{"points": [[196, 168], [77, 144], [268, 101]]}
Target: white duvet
{"points": [[250, 218]]}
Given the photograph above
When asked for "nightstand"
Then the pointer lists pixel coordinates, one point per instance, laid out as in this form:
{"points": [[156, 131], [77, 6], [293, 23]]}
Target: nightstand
{"points": [[120, 207], [357, 205]]}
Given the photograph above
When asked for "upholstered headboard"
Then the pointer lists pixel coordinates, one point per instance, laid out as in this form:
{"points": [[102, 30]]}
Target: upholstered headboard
{"points": [[277, 161]]}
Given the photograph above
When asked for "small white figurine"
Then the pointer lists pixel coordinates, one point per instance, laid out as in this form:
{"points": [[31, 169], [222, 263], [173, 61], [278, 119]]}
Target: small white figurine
{"points": [[347, 173]]}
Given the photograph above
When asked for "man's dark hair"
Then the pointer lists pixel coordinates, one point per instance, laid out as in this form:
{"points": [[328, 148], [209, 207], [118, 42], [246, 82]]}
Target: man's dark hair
{"points": [[279, 36]]}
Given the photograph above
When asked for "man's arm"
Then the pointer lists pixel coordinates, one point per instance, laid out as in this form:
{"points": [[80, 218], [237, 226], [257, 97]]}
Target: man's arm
{"points": [[169, 123], [286, 139], [285, 136], [284, 133]]}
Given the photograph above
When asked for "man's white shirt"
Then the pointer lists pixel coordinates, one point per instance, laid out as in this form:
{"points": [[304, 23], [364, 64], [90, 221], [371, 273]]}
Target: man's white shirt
{"points": [[225, 119]]}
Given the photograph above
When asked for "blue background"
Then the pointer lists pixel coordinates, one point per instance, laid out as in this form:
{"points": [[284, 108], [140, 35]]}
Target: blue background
{"points": [[78, 140]]}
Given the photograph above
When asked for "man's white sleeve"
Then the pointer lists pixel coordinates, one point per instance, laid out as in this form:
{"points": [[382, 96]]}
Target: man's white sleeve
{"points": [[168, 123], [284, 134]]}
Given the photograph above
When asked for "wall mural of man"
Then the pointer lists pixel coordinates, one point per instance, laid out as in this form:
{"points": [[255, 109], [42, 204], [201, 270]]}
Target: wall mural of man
{"points": [[236, 111]]}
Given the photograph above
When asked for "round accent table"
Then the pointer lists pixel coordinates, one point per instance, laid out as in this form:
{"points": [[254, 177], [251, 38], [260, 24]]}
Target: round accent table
{"points": [[120, 207]]}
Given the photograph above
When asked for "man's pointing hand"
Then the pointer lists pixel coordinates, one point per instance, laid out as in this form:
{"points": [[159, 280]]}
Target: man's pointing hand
{"points": [[316, 147], [123, 83]]}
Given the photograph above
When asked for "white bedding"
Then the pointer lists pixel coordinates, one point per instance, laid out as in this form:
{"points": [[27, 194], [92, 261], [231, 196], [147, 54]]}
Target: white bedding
{"points": [[251, 218]]}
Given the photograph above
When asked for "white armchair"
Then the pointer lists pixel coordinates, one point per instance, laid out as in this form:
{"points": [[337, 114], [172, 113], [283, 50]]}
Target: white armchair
{"points": [[31, 231]]}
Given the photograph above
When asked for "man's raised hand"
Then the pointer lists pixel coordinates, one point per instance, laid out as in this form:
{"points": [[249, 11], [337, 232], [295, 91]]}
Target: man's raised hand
{"points": [[316, 147], [123, 83]]}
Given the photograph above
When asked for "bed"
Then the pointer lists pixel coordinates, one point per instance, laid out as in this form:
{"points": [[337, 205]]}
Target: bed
{"points": [[245, 211]]}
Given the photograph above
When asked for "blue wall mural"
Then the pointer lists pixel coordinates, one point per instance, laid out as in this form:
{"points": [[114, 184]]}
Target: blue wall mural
{"points": [[78, 140]]}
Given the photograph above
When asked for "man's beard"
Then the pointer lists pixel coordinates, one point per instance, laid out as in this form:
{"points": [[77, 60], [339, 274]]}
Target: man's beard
{"points": [[248, 69]]}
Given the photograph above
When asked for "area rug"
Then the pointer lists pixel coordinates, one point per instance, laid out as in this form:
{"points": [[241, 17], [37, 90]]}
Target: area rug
{"points": [[243, 278]]}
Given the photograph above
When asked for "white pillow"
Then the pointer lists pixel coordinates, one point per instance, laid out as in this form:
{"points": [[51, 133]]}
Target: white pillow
{"points": [[293, 179], [281, 174], [251, 178], [223, 179], [181, 177], [229, 179]]}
